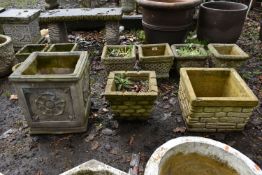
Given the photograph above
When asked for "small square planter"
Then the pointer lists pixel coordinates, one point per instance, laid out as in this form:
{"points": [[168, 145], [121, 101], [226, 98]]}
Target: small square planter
{"points": [[25, 51], [132, 105], [63, 47], [227, 55], [53, 89], [214, 99], [156, 57], [190, 59], [119, 63]]}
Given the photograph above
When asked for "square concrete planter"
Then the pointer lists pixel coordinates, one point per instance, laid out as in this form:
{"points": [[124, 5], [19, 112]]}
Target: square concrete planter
{"points": [[214, 99], [227, 55], [94, 167], [22, 25], [63, 47], [200, 59], [132, 105], [25, 51], [118, 63], [53, 89], [156, 57]]}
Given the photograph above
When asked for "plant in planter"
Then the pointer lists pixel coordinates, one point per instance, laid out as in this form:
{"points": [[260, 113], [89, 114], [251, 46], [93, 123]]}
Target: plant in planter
{"points": [[119, 57], [189, 55], [63, 47], [227, 55], [53, 88], [131, 94], [156, 57]]}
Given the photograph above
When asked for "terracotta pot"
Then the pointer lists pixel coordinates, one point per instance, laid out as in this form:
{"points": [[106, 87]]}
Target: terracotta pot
{"points": [[221, 21], [167, 21], [6, 56]]}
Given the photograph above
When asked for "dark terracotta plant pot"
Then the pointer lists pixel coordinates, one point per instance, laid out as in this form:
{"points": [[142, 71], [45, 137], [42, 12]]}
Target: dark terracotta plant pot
{"points": [[221, 21], [167, 21]]}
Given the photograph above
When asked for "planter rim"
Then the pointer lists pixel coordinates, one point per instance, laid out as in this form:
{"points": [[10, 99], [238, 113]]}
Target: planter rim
{"points": [[189, 57], [104, 57], [45, 47], [172, 5], [152, 167], [244, 7], [168, 57], [74, 46], [7, 38]]}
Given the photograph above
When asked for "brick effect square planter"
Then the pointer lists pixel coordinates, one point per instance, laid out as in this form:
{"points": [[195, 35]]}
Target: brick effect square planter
{"points": [[118, 63], [53, 89], [156, 57], [227, 55], [214, 99], [132, 105], [63, 47]]}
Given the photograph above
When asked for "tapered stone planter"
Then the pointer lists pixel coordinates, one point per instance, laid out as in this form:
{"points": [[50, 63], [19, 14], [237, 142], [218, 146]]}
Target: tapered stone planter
{"points": [[25, 51], [190, 60], [118, 63], [7, 55], [214, 99], [63, 47], [94, 167], [227, 55], [53, 89], [198, 155], [132, 105], [156, 57]]}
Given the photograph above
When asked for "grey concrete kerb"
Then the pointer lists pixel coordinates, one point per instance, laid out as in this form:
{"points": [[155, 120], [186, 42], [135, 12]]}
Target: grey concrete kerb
{"points": [[207, 147]]}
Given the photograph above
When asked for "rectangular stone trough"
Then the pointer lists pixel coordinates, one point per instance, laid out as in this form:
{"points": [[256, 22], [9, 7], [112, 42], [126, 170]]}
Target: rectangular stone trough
{"points": [[53, 89], [214, 99], [63, 47], [25, 51], [227, 55], [132, 105]]}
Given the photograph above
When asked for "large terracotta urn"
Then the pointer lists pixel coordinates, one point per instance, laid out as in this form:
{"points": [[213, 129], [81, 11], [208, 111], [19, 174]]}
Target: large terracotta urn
{"points": [[167, 21], [7, 55]]}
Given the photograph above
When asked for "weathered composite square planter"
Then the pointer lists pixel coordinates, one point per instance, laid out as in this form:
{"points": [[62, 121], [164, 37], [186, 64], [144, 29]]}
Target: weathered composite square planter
{"points": [[53, 89], [156, 57], [63, 47], [118, 63], [132, 105], [227, 55], [197, 56], [25, 51], [214, 99]]}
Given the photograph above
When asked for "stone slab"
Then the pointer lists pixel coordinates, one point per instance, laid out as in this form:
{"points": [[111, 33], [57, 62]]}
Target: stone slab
{"points": [[19, 15], [80, 14]]}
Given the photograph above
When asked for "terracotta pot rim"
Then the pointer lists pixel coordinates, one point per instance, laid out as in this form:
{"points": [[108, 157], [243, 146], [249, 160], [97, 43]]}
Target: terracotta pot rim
{"points": [[7, 40], [169, 5], [239, 6]]}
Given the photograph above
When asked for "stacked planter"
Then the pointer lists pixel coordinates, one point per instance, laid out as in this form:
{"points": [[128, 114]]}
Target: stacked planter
{"points": [[132, 105], [156, 57], [53, 89], [227, 55], [214, 99]]}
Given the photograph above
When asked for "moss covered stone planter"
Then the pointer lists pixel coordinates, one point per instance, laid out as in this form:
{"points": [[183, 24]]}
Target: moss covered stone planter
{"points": [[118, 63], [214, 99], [53, 89], [7, 55], [227, 55], [25, 51], [132, 105], [196, 56], [156, 57], [63, 47]]}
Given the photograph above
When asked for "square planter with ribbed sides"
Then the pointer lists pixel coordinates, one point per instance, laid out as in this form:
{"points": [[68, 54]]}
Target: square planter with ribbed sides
{"points": [[25, 51], [119, 57], [136, 98], [53, 89], [156, 57], [63, 47], [215, 99], [189, 55], [227, 55]]}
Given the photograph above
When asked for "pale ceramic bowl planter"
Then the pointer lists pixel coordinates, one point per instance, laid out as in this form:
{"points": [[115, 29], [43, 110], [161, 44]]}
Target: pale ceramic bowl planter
{"points": [[205, 147]]}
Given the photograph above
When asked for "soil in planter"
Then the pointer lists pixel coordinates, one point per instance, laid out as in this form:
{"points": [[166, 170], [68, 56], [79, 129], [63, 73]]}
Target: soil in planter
{"points": [[2, 40], [195, 164], [190, 51], [123, 52]]}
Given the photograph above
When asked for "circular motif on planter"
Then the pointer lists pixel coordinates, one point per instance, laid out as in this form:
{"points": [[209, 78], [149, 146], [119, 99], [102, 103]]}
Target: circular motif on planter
{"points": [[49, 104]]}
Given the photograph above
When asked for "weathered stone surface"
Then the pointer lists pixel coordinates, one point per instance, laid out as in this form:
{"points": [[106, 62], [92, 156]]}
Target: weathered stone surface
{"points": [[214, 98], [128, 5], [112, 32], [7, 55], [53, 89], [58, 32], [156, 57]]}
